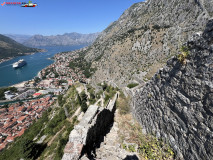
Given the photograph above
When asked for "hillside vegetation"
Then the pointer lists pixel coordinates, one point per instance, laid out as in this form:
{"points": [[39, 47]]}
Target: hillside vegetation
{"points": [[11, 48]]}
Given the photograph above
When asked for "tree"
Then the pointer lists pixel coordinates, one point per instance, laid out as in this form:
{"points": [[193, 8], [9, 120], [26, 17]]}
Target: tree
{"points": [[37, 79], [92, 96], [13, 89], [83, 96], [60, 100], [2, 90], [79, 99], [104, 86], [84, 106], [28, 146]]}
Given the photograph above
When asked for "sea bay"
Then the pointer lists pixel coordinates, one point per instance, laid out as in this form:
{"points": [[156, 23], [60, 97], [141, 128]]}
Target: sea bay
{"points": [[35, 63]]}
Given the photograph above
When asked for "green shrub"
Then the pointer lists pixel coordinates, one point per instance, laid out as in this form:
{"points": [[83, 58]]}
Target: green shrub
{"points": [[2, 90], [83, 96], [106, 99], [79, 99], [104, 86], [131, 148], [158, 76], [183, 55], [61, 101], [84, 106], [157, 27], [98, 95], [124, 146], [132, 85]]}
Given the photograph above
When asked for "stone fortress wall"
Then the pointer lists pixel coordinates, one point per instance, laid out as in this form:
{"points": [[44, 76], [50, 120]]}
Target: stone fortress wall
{"points": [[88, 132]]}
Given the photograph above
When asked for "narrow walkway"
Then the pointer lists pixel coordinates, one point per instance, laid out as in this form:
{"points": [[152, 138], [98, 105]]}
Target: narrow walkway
{"points": [[100, 100], [111, 149]]}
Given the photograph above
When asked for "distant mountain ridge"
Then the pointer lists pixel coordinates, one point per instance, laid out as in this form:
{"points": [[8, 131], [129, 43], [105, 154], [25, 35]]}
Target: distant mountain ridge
{"points": [[67, 39], [20, 38], [11, 48]]}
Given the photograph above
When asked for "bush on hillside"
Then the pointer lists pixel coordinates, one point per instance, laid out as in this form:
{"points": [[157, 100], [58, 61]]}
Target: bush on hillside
{"points": [[132, 85]]}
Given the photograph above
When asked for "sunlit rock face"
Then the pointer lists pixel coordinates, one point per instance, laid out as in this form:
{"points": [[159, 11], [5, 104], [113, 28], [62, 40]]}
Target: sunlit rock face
{"points": [[177, 103]]}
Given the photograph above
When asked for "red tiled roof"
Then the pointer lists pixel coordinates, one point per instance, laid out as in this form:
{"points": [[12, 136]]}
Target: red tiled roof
{"points": [[20, 109], [21, 119], [21, 132], [9, 139], [36, 94]]}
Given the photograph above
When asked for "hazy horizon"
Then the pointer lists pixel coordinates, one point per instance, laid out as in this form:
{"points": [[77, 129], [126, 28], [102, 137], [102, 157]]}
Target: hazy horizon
{"points": [[44, 35]]}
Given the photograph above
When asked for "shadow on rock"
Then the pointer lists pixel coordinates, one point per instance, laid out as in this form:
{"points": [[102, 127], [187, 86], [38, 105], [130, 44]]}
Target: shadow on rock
{"points": [[132, 157]]}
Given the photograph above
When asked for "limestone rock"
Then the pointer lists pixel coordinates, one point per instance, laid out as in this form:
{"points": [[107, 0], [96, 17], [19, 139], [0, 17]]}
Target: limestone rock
{"points": [[183, 112]]}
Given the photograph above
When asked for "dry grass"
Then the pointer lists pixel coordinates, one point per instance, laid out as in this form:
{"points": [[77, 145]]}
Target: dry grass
{"points": [[147, 146], [153, 69], [122, 104]]}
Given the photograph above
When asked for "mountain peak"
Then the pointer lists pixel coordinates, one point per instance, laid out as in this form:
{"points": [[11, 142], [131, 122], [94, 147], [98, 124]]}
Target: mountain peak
{"points": [[68, 39]]}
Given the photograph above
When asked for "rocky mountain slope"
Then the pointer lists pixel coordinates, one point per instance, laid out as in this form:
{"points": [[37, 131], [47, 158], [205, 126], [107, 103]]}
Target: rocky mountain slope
{"points": [[144, 37], [11, 48], [67, 39], [177, 103]]}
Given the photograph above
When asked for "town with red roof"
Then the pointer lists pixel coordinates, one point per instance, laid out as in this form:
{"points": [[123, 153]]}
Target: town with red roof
{"points": [[15, 119]]}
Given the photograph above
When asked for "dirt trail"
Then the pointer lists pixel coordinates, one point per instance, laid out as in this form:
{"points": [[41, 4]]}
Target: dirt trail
{"points": [[51, 141]]}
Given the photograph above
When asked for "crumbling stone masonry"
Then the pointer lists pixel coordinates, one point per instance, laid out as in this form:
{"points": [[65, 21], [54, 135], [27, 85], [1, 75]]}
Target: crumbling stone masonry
{"points": [[87, 133]]}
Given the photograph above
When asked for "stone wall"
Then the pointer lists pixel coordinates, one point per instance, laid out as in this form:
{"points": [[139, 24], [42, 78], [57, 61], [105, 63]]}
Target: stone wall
{"points": [[177, 104], [86, 135]]}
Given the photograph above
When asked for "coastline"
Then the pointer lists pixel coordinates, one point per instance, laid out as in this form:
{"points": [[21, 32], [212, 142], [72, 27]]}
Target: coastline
{"points": [[5, 60], [31, 53], [22, 84], [19, 85]]}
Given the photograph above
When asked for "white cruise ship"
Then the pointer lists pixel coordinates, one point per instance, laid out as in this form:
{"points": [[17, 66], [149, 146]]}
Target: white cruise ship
{"points": [[20, 63]]}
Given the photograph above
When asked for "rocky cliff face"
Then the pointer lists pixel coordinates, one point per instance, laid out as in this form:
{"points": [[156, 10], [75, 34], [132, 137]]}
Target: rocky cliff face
{"points": [[67, 39], [144, 37], [177, 104]]}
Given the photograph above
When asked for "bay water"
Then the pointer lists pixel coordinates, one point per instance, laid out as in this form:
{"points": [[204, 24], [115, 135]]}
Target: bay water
{"points": [[36, 62]]}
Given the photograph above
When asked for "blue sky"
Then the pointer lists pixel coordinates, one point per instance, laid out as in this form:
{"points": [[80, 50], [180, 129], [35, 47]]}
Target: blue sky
{"points": [[53, 17]]}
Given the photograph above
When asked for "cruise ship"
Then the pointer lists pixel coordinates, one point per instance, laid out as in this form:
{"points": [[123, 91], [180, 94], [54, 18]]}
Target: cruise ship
{"points": [[19, 64]]}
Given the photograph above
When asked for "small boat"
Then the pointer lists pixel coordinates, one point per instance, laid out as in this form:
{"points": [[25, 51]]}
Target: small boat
{"points": [[19, 64]]}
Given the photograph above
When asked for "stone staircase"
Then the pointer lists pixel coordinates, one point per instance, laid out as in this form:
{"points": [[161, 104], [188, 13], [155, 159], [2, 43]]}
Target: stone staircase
{"points": [[111, 149]]}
